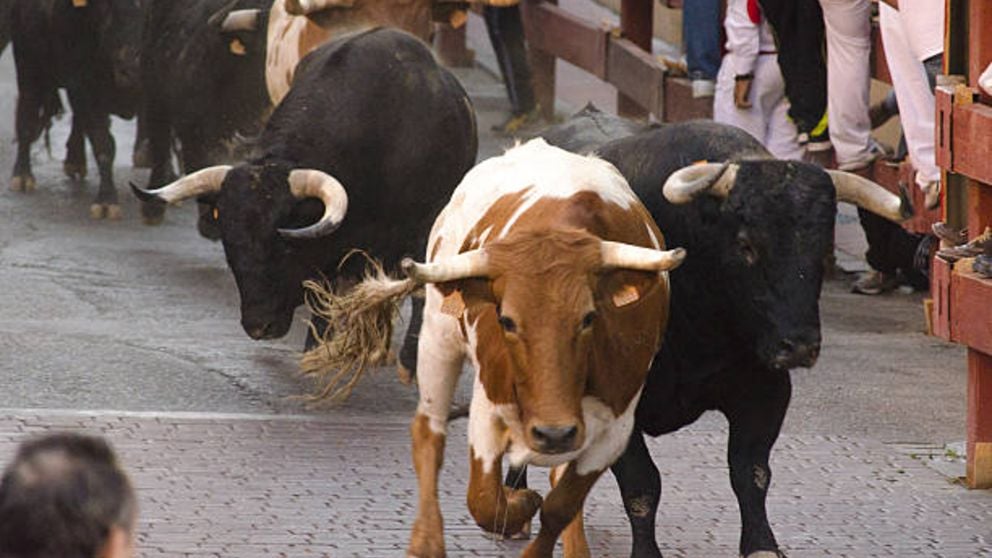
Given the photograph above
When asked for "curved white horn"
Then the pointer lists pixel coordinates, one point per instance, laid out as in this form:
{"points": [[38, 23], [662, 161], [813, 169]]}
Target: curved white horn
{"points": [[868, 195], [240, 20], [629, 256], [473, 263], [307, 7], [309, 183], [203, 181], [687, 183]]}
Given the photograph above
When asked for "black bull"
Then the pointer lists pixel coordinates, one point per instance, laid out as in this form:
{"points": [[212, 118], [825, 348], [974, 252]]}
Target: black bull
{"points": [[89, 48], [745, 304], [204, 86], [373, 120]]}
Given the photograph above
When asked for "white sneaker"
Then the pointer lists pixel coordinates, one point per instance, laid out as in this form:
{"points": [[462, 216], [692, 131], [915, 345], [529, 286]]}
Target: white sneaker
{"points": [[702, 88]]}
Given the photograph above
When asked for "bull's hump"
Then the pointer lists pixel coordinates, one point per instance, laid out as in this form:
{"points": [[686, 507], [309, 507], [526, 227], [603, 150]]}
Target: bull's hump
{"points": [[524, 176]]}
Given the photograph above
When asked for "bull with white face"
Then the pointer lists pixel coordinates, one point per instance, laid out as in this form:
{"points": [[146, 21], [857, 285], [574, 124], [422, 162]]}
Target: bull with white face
{"points": [[546, 272]]}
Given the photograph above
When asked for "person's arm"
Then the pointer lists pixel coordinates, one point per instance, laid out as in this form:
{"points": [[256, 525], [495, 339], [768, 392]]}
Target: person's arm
{"points": [[742, 25]]}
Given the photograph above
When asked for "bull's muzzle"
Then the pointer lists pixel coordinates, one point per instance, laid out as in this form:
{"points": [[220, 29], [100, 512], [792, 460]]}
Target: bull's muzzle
{"points": [[555, 439], [793, 354]]}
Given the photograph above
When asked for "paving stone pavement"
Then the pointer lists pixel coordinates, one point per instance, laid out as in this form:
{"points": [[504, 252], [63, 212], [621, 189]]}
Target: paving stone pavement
{"points": [[255, 485]]}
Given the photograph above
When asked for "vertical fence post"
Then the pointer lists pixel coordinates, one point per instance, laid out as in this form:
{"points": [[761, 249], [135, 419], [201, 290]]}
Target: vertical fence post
{"points": [[637, 26]]}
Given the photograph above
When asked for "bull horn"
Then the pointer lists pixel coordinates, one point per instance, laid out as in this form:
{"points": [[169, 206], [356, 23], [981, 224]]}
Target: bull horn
{"points": [[687, 183], [473, 263], [203, 181], [307, 7], [309, 183], [240, 20], [870, 196], [629, 256]]}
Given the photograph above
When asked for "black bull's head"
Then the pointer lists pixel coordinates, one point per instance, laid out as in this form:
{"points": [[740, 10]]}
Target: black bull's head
{"points": [[263, 213], [763, 231]]}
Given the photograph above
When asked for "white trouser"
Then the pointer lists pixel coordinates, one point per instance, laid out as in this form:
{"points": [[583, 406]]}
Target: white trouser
{"points": [[848, 30], [916, 101], [767, 119]]}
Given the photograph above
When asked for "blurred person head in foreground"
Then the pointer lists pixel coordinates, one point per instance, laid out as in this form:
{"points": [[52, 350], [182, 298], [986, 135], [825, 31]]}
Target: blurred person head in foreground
{"points": [[66, 496]]}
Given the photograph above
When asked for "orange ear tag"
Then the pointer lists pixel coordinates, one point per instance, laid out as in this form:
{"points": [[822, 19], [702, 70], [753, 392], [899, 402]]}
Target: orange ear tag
{"points": [[626, 295], [453, 304], [237, 47], [78, 3]]}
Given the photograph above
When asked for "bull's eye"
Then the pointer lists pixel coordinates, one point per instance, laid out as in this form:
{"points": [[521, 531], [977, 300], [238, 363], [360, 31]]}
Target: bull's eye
{"points": [[588, 320], [508, 324], [747, 250], [215, 213]]}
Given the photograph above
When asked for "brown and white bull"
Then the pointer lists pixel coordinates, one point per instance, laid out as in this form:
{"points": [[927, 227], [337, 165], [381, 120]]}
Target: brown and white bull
{"points": [[546, 272], [296, 27]]}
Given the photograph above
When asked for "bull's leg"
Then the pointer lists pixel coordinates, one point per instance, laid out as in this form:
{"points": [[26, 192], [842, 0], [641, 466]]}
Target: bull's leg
{"points": [[439, 359], [141, 156], [755, 415], [640, 488], [496, 508], [29, 126], [74, 165], [573, 538], [406, 368], [560, 508], [159, 130], [97, 127]]}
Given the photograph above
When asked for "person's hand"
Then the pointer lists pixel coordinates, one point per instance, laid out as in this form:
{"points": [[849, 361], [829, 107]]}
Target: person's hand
{"points": [[893, 3], [742, 91]]}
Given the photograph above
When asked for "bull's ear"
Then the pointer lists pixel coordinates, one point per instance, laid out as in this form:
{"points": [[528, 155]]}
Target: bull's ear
{"points": [[464, 294], [621, 288]]}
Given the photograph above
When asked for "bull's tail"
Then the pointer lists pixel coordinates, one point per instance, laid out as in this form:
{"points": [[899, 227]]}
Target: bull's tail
{"points": [[359, 330], [52, 108]]}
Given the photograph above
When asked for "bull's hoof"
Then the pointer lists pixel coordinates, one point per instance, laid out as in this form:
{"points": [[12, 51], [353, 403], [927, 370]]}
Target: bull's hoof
{"points": [[404, 374], [425, 544], [113, 212], [522, 504], [152, 213], [75, 171], [109, 211], [23, 183], [766, 554], [523, 534]]}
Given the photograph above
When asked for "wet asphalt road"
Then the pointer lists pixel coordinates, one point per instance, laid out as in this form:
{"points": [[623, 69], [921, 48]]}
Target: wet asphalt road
{"points": [[121, 316]]}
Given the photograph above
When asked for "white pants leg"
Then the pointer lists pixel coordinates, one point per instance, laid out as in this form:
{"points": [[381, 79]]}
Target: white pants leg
{"points": [[767, 119], [848, 30], [916, 101], [726, 112], [780, 133]]}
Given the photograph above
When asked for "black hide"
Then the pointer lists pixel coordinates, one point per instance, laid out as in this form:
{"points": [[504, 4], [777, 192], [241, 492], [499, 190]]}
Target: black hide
{"points": [[91, 51], [204, 87], [375, 111]]}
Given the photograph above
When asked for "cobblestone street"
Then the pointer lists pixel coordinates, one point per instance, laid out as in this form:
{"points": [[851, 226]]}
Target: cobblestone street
{"points": [[245, 486]]}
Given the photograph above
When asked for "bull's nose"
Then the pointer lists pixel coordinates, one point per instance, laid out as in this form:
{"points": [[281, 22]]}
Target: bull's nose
{"points": [[793, 354], [554, 439], [262, 330]]}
